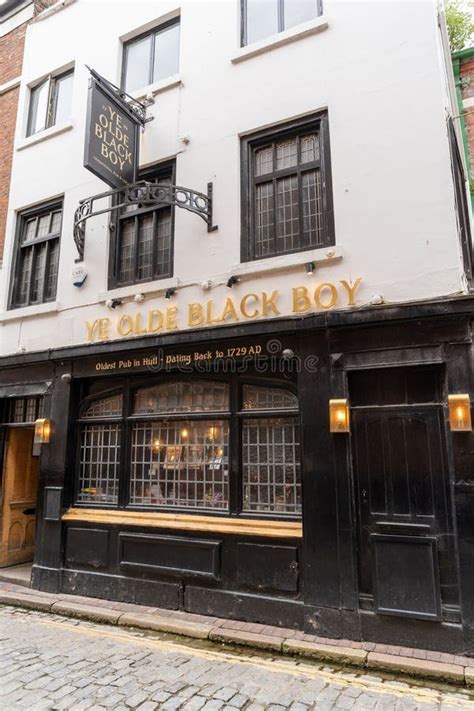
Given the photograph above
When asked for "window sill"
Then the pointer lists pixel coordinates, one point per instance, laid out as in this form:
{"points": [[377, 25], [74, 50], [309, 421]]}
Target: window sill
{"points": [[151, 287], [21, 312], [157, 88], [292, 35], [188, 522], [321, 257], [44, 135]]}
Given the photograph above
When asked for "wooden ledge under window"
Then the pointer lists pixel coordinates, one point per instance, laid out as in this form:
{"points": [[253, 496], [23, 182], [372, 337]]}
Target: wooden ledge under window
{"points": [[186, 522]]}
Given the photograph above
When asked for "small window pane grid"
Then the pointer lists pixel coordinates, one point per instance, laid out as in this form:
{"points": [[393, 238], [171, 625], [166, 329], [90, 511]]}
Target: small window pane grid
{"points": [[36, 270], [265, 398], [105, 407], [99, 464], [50, 102], [152, 57], [183, 463], [271, 465], [180, 464], [23, 410], [145, 242], [182, 397], [263, 18], [287, 197]]}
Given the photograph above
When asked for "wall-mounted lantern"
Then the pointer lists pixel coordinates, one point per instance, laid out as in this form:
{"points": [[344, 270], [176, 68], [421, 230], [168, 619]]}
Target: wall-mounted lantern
{"points": [[42, 431], [460, 413], [339, 415]]}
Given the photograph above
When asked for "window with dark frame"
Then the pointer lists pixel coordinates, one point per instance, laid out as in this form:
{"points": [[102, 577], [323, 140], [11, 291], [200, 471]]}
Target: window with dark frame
{"points": [[151, 57], [35, 274], [462, 202], [286, 190], [186, 444], [142, 238], [263, 18], [50, 102]]}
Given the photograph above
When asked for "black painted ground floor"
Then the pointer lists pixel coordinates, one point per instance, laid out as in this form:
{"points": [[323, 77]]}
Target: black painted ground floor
{"points": [[198, 471]]}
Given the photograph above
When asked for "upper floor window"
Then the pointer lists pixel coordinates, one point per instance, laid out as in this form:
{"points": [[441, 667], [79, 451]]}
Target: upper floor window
{"points": [[262, 18], [35, 271], [151, 57], [142, 243], [287, 190], [50, 102]]}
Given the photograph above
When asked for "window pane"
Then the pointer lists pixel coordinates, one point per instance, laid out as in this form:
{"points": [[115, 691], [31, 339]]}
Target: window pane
{"points": [[264, 220], [286, 154], [52, 272], [166, 52], [99, 463], [38, 108], [39, 266], [199, 396], [23, 276], [56, 223], [264, 161], [180, 464], [62, 99], [287, 214], [262, 19], [163, 250], [105, 407], [271, 466], [297, 11], [29, 229], [127, 251], [309, 148], [145, 246], [43, 225], [262, 398], [312, 208], [138, 58]]}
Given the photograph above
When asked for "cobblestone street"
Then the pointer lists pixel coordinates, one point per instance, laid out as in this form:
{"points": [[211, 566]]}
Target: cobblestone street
{"points": [[52, 662]]}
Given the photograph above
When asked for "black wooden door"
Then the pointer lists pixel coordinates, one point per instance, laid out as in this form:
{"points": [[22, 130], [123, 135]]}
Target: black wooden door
{"points": [[405, 544]]}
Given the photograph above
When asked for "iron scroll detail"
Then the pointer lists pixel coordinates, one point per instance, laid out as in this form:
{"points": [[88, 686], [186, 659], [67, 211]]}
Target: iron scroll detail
{"points": [[145, 194]]}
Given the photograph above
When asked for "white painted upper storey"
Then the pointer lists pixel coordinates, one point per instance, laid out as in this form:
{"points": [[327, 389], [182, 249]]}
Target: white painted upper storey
{"points": [[379, 70]]}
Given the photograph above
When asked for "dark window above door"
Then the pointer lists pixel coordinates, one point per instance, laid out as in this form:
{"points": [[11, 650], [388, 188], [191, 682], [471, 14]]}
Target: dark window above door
{"points": [[36, 261], [142, 238], [286, 190]]}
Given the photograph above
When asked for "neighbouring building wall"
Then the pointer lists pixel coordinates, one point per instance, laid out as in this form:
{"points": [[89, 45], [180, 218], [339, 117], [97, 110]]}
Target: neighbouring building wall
{"points": [[12, 44], [464, 68]]}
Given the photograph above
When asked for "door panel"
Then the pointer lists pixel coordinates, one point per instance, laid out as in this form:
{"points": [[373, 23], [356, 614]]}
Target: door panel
{"points": [[402, 489], [20, 484]]}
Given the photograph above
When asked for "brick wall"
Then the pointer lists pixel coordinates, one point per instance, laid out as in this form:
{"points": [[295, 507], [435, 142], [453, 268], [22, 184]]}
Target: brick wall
{"points": [[466, 71], [11, 60]]}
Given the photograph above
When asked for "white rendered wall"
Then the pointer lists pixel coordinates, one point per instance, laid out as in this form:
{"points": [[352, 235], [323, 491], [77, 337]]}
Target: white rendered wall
{"points": [[376, 67]]}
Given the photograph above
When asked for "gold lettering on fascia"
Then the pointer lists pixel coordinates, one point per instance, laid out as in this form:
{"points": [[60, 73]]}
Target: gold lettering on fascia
{"points": [[251, 306]]}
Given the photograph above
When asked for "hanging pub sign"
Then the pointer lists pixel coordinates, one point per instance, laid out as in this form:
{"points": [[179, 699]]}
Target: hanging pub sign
{"points": [[112, 134]]}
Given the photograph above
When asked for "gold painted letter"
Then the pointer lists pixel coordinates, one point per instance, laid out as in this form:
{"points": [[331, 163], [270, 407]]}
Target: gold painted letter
{"points": [[195, 314], [243, 306], [317, 295], [301, 300], [268, 303], [351, 290]]}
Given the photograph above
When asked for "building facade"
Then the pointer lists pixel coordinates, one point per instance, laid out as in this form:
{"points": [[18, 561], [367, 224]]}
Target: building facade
{"points": [[463, 69], [240, 366]]}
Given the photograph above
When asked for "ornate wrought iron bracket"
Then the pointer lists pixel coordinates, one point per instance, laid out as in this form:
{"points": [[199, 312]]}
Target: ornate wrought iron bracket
{"points": [[144, 194], [136, 108]]}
